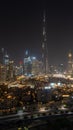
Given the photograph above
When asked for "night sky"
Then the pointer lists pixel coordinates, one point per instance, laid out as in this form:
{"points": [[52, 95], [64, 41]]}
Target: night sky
{"points": [[21, 29]]}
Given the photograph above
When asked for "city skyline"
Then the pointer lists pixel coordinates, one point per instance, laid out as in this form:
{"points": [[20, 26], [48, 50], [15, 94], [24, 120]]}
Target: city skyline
{"points": [[21, 29]]}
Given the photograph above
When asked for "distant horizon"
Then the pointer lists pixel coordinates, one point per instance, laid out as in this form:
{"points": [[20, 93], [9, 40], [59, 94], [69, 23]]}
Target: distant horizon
{"points": [[29, 54]]}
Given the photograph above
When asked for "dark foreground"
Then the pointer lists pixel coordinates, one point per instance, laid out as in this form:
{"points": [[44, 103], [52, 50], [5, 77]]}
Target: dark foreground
{"points": [[63, 123]]}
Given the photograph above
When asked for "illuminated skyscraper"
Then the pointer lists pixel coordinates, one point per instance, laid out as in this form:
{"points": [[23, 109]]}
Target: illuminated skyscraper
{"points": [[36, 66], [44, 48], [27, 64], [70, 64], [6, 59], [10, 71]]}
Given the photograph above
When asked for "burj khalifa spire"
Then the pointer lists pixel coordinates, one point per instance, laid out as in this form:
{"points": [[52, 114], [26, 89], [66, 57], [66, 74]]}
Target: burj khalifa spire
{"points": [[44, 47]]}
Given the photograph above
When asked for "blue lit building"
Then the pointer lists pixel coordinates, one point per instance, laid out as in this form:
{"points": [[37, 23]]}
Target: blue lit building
{"points": [[32, 66], [27, 64], [6, 59]]}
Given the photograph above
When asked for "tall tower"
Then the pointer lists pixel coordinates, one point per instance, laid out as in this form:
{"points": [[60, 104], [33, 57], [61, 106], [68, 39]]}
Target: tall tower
{"points": [[3, 51], [44, 47], [70, 63], [6, 59], [27, 64]]}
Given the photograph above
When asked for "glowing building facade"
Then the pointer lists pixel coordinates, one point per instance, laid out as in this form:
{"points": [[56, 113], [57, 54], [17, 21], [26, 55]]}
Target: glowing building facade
{"points": [[27, 64], [70, 64], [36, 66]]}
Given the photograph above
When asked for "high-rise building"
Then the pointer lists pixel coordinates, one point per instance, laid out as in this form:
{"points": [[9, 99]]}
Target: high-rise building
{"points": [[32, 66], [10, 71], [6, 59], [44, 48], [36, 66], [2, 73], [70, 64], [19, 69], [27, 64], [2, 55], [61, 68]]}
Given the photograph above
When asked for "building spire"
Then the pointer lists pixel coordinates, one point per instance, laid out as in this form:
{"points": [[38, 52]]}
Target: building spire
{"points": [[44, 46]]}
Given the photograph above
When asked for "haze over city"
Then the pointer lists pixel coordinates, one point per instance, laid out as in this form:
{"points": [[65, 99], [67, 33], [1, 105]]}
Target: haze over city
{"points": [[21, 29]]}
